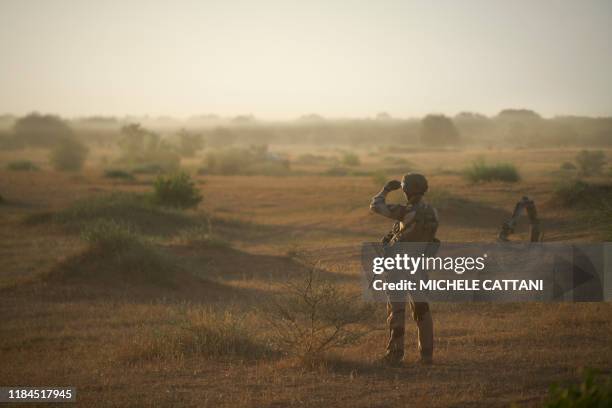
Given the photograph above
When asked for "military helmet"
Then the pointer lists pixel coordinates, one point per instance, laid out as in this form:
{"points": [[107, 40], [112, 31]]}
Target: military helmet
{"points": [[414, 183]]}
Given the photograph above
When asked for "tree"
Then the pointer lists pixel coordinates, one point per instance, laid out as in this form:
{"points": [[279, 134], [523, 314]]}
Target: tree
{"points": [[189, 143], [41, 130], [439, 130]]}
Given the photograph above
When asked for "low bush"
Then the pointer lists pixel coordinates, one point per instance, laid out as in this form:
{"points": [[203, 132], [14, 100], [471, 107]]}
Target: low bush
{"points": [[481, 171], [337, 172], [118, 174], [151, 168], [178, 191], [351, 159], [145, 152], [198, 333], [568, 166], [201, 236], [312, 159], [189, 143], [593, 391], [255, 160], [591, 162], [22, 165], [68, 155], [110, 236], [578, 193]]}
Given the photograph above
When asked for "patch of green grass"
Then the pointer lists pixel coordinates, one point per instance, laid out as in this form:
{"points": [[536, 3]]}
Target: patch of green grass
{"points": [[22, 165], [481, 171]]}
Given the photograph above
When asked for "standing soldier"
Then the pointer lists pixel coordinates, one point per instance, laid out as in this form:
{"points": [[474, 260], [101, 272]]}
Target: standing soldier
{"points": [[418, 222]]}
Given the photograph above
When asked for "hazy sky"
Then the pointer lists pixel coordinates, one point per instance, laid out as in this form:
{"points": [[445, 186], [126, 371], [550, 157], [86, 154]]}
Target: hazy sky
{"points": [[281, 59]]}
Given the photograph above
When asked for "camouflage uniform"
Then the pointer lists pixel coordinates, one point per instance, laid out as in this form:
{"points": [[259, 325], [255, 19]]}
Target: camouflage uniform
{"points": [[419, 222]]}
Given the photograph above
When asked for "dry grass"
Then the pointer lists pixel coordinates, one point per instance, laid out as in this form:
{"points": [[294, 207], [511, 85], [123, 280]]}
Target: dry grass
{"points": [[201, 342]]}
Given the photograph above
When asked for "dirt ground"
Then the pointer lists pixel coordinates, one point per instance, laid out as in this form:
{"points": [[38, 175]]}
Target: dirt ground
{"points": [[486, 354]]}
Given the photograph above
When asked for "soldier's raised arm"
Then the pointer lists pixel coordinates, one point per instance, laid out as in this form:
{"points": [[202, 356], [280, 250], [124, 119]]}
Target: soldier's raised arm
{"points": [[379, 206]]}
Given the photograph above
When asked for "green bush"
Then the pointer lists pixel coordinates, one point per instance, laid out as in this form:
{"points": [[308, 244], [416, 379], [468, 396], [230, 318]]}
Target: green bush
{"points": [[578, 193], [189, 143], [110, 235], [177, 191], [481, 171], [591, 392], [591, 162], [150, 168], [145, 151], [255, 160], [351, 159], [68, 155], [568, 166], [22, 165], [118, 174]]}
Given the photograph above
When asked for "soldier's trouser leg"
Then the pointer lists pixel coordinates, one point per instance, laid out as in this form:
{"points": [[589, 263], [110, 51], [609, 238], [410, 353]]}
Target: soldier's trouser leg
{"points": [[396, 321], [422, 317]]}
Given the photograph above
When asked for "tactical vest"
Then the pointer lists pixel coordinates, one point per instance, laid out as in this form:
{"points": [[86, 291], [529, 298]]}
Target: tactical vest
{"points": [[422, 228]]}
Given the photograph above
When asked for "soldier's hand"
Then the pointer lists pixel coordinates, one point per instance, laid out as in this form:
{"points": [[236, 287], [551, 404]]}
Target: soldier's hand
{"points": [[393, 185]]}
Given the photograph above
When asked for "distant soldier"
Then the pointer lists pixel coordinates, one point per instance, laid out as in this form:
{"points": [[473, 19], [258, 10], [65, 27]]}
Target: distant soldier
{"points": [[418, 222]]}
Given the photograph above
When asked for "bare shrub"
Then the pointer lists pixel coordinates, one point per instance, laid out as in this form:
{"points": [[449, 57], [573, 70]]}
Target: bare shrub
{"points": [[313, 316]]}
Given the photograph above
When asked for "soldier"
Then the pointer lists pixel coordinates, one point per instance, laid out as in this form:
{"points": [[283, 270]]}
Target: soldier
{"points": [[418, 223]]}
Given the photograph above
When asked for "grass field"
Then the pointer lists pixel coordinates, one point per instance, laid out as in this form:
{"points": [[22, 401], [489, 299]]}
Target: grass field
{"points": [[73, 315]]}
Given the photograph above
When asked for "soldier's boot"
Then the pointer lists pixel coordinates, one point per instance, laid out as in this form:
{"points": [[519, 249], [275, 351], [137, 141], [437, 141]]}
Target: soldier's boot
{"points": [[396, 323], [425, 335]]}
